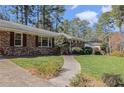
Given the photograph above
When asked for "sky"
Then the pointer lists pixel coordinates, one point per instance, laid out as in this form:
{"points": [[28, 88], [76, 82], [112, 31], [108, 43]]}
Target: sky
{"points": [[86, 12]]}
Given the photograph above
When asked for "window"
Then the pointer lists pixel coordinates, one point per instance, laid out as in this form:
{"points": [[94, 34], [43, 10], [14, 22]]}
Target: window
{"points": [[44, 42], [18, 39]]}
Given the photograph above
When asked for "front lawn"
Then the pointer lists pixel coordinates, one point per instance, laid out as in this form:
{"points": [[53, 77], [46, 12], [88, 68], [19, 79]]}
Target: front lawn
{"points": [[45, 66], [96, 66]]}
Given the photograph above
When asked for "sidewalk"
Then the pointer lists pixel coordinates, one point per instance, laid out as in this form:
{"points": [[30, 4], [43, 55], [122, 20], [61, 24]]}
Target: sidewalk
{"points": [[70, 69]]}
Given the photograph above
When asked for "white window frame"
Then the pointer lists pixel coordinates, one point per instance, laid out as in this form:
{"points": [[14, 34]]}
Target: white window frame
{"points": [[21, 40], [48, 39]]}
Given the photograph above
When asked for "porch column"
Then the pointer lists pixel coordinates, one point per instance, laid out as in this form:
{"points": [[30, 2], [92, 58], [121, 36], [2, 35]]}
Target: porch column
{"points": [[70, 47]]}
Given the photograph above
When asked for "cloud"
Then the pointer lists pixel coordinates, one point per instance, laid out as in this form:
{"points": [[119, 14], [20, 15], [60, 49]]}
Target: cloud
{"points": [[90, 16], [74, 6], [106, 8]]}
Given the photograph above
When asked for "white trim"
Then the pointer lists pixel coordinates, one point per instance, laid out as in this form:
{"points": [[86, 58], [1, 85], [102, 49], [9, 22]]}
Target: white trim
{"points": [[51, 42], [48, 39], [41, 42], [21, 39], [48, 42]]}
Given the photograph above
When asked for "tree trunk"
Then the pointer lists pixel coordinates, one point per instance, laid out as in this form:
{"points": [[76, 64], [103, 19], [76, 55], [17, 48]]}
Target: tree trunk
{"points": [[22, 13], [43, 17], [26, 11], [38, 15], [17, 13], [120, 38]]}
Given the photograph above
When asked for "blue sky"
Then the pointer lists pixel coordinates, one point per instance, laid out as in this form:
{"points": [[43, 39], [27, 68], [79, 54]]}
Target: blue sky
{"points": [[85, 12], [71, 12]]}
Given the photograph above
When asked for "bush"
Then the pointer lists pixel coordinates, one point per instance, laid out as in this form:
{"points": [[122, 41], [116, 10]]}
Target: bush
{"points": [[79, 81], [98, 53], [87, 50], [1, 51], [77, 50], [112, 80], [117, 53], [82, 80], [50, 69]]}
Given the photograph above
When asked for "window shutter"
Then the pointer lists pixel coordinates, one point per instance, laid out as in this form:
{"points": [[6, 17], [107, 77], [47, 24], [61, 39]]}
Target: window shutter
{"points": [[53, 42], [11, 38], [24, 40], [36, 41]]}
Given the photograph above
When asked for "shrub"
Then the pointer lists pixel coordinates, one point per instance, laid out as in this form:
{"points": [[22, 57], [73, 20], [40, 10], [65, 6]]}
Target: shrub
{"points": [[79, 81], [82, 80], [117, 53], [50, 69], [112, 80], [87, 50], [77, 50], [1, 51]]}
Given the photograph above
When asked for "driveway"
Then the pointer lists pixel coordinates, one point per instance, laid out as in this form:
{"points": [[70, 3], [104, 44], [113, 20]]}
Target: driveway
{"points": [[12, 75]]}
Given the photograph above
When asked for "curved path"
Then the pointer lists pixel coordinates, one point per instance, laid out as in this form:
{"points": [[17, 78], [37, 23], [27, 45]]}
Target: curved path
{"points": [[70, 68]]}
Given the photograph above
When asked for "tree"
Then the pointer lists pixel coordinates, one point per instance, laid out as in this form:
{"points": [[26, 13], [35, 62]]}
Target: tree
{"points": [[64, 26], [80, 28], [104, 28], [76, 27], [118, 13], [22, 13], [3, 13], [57, 13], [47, 16]]}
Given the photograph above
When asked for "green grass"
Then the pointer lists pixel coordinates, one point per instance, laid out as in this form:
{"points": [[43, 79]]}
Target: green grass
{"points": [[48, 66], [96, 66]]}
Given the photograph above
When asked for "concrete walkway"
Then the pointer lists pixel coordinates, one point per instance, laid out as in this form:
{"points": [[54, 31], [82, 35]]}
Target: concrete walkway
{"points": [[70, 69], [12, 75]]}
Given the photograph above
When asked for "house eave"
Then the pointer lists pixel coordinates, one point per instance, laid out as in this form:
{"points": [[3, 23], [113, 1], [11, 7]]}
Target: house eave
{"points": [[16, 27], [26, 32]]}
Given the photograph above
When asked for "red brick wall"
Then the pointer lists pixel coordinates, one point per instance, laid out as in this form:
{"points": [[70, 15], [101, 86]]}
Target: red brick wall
{"points": [[115, 41], [29, 50]]}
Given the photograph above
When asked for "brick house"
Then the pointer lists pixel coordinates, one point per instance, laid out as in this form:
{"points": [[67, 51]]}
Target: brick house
{"points": [[115, 41], [20, 40]]}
